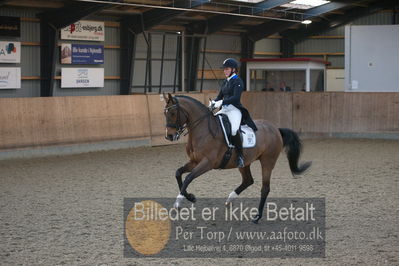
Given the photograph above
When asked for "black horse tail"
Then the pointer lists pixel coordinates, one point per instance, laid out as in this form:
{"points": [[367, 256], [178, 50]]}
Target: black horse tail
{"points": [[293, 148]]}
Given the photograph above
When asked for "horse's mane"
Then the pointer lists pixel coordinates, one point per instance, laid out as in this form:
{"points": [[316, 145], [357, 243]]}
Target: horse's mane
{"points": [[195, 101], [203, 108]]}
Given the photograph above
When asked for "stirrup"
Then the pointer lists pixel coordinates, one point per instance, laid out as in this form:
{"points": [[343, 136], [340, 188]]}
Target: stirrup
{"points": [[240, 162]]}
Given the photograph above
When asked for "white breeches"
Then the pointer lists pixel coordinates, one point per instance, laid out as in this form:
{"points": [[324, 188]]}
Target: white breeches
{"points": [[234, 115]]}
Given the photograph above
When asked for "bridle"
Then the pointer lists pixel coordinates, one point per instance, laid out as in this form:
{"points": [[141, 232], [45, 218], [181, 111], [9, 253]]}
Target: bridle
{"points": [[179, 126]]}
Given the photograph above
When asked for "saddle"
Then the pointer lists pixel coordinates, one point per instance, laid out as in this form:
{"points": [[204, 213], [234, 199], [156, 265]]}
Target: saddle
{"points": [[247, 134]]}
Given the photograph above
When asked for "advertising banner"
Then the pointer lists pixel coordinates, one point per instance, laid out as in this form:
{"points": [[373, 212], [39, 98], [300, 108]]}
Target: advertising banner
{"points": [[10, 77], [10, 52], [82, 54], [82, 77], [84, 30], [10, 26]]}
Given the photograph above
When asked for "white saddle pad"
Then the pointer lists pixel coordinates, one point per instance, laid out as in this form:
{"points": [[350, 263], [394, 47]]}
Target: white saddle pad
{"points": [[248, 137]]}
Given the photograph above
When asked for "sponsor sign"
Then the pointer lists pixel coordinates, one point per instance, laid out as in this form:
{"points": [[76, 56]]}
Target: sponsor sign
{"points": [[82, 54], [84, 30], [10, 78], [10, 52], [10, 26], [82, 77]]}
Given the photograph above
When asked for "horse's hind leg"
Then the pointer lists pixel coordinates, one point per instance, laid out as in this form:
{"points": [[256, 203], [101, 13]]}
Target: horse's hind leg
{"points": [[247, 180], [266, 174]]}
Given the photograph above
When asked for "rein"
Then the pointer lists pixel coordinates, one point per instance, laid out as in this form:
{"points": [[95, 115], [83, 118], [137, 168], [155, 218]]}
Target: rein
{"points": [[180, 128]]}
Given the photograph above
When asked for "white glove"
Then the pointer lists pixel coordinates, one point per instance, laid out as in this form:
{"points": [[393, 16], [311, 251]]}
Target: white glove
{"points": [[218, 104]]}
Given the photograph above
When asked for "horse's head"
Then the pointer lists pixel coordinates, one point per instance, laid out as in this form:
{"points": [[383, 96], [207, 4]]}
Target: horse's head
{"points": [[176, 118]]}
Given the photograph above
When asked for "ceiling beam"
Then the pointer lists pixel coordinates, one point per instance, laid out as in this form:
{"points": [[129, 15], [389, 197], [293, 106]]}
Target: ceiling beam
{"points": [[361, 3], [317, 11], [334, 21], [35, 4], [218, 22], [269, 28], [71, 12], [4, 2], [154, 17]]}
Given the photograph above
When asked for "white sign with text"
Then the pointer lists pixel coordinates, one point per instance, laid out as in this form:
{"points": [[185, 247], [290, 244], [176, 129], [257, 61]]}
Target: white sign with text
{"points": [[10, 77], [10, 52], [82, 77]]}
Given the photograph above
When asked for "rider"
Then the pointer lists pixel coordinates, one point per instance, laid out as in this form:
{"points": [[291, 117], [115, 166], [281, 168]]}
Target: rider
{"points": [[229, 99]]}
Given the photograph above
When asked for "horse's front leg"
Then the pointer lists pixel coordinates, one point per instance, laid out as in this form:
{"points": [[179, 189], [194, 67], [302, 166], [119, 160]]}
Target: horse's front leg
{"points": [[201, 168], [188, 167]]}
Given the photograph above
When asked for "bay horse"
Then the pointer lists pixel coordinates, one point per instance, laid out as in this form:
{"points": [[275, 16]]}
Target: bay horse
{"points": [[206, 148]]}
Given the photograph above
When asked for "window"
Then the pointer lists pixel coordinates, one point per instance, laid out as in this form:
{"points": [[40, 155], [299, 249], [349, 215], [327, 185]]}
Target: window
{"points": [[278, 80], [305, 4]]}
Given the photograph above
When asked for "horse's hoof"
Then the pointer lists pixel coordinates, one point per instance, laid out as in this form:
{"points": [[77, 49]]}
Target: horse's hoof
{"points": [[191, 198], [176, 206], [232, 196], [228, 203], [256, 220]]}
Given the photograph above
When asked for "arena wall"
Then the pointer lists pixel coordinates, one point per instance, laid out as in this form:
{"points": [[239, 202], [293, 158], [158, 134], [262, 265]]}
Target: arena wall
{"points": [[30, 122]]}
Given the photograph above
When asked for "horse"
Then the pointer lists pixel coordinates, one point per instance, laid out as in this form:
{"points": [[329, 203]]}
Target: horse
{"points": [[206, 148]]}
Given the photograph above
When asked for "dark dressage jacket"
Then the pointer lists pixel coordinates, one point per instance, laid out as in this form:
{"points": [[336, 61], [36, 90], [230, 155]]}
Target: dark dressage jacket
{"points": [[230, 93]]}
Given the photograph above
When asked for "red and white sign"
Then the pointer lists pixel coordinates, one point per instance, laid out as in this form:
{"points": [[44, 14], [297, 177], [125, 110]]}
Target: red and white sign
{"points": [[84, 30]]}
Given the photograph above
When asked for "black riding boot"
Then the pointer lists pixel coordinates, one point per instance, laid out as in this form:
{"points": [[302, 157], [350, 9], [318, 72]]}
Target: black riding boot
{"points": [[237, 141]]}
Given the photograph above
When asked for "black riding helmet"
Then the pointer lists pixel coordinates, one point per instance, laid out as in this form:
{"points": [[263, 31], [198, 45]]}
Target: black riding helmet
{"points": [[230, 62]]}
